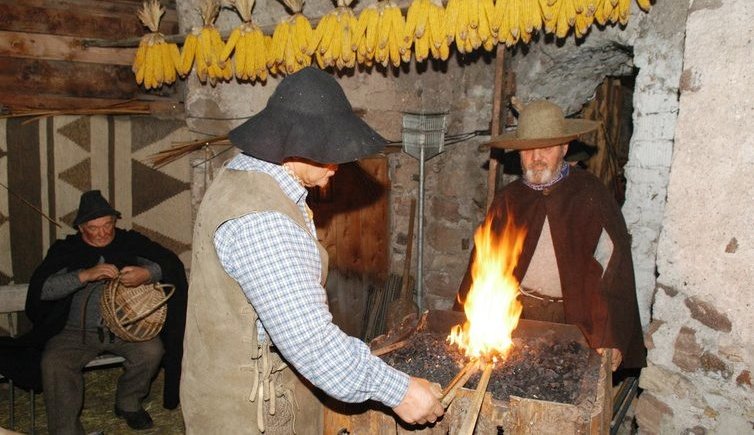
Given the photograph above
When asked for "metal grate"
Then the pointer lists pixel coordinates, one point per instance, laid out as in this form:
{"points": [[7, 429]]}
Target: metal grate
{"points": [[424, 131]]}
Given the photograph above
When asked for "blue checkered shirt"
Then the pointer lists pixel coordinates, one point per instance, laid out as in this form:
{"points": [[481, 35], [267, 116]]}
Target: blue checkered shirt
{"points": [[278, 266]]}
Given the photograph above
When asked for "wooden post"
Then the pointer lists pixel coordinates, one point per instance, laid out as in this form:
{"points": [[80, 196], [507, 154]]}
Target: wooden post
{"points": [[496, 126]]}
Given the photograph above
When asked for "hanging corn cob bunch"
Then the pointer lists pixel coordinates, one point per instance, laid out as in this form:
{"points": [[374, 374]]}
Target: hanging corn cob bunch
{"points": [[584, 16], [155, 61], [470, 24], [612, 11], [203, 46], [250, 47], [425, 28], [560, 15], [290, 41], [334, 42], [382, 35], [366, 40], [515, 20]]}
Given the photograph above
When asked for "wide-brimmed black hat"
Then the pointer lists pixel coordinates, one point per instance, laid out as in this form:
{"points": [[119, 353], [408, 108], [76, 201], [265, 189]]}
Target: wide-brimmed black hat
{"points": [[307, 116], [92, 206]]}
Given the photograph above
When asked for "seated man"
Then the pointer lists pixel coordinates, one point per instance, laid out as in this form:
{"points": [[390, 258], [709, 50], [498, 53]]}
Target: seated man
{"points": [[575, 265], [63, 303]]}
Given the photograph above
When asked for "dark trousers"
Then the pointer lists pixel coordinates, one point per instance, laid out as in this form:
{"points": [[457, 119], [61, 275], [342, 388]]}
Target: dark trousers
{"points": [[63, 360]]}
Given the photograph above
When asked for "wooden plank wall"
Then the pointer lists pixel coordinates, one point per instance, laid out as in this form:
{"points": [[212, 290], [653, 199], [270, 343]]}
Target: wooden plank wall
{"points": [[352, 222], [44, 63]]}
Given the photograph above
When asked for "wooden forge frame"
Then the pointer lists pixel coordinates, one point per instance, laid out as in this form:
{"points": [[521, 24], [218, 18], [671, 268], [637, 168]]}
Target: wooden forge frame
{"points": [[517, 415]]}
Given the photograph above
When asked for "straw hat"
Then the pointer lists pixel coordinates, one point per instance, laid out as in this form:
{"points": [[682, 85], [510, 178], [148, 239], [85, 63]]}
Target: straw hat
{"points": [[307, 116], [542, 124]]}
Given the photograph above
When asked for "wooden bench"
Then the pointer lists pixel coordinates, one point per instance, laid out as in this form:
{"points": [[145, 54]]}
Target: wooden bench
{"points": [[13, 300]]}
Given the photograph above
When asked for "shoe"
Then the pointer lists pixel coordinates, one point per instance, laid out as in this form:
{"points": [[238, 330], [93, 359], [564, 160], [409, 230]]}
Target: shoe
{"points": [[137, 420]]}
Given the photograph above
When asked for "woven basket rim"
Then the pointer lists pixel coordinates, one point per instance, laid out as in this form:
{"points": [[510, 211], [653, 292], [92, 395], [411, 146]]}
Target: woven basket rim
{"points": [[147, 321]]}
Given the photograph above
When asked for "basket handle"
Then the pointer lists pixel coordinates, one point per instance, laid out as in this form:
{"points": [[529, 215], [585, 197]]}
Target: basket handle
{"points": [[156, 307]]}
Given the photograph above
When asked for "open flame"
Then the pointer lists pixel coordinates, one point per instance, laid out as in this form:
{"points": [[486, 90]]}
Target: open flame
{"points": [[492, 310]]}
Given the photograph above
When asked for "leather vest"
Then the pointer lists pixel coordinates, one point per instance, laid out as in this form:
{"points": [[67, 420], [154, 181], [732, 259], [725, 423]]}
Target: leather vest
{"points": [[231, 383]]}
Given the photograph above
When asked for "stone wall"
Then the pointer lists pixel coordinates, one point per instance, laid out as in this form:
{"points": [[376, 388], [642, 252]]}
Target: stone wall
{"points": [[700, 339]]}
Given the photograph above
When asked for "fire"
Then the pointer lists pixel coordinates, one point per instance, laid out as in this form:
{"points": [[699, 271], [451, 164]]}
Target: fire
{"points": [[491, 307]]}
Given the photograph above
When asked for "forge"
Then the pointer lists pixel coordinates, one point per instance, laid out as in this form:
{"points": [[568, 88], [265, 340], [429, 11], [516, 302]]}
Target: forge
{"points": [[550, 383]]}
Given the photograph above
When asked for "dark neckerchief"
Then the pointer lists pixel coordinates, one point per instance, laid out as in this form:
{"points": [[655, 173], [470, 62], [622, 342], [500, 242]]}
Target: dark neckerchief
{"points": [[564, 169]]}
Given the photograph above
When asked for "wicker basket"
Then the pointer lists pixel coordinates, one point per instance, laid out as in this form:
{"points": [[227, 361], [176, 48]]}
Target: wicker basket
{"points": [[135, 313]]}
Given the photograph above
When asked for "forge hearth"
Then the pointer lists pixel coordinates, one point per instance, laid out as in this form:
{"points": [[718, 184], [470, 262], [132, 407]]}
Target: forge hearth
{"points": [[536, 368], [550, 383]]}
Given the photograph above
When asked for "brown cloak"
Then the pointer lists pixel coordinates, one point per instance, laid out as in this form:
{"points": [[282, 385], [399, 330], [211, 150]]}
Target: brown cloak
{"points": [[602, 303]]}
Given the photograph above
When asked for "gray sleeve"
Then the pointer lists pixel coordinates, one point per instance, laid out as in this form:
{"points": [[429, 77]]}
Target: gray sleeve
{"points": [[61, 284], [154, 269]]}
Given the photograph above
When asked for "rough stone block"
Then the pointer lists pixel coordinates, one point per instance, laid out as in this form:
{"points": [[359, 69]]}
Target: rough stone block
{"points": [[744, 379], [663, 382], [649, 152], [657, 101], [445, 238], [687, 352], [712, 363], [708, 315], [690, 81], [650, 413], [446, 209], [669, 290], [651, 329]]}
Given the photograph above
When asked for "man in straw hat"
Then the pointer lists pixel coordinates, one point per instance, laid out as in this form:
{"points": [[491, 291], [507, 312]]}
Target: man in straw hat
{"points": [[259, 334], [575, 266], [63, 304]]}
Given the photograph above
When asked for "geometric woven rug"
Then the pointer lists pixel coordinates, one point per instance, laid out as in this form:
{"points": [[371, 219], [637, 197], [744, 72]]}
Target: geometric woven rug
{"points": [[50, 162]]}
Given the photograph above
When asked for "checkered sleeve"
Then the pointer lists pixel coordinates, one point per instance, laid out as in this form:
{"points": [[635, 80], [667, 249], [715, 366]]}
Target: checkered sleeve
{"points": [[277, 264]]}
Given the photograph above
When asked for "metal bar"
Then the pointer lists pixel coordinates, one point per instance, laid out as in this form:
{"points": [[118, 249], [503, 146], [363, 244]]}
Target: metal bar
{"points": [[12, 405], [619, 397], [420, 237], [618, 419], [33, 427]]}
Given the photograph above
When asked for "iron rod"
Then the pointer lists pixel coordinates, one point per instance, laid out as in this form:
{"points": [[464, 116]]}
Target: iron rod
{"points": [[420, 240]]}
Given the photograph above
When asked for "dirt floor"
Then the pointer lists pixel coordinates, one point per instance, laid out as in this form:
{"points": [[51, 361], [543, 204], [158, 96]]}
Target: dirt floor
{"points": [[97, 414]]}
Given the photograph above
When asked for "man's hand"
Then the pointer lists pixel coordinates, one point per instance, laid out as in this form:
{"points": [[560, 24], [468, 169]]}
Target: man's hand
{"points": [[133, 276], [616, 356], [98, 272], [421, 404]]}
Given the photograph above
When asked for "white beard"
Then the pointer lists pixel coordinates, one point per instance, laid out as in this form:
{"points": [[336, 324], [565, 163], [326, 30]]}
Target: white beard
{"points": [[539, 176]]}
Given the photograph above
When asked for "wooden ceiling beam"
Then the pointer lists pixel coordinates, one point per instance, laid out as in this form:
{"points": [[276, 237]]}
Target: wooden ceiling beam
{"points": [[52, 47], [77, 19], [22, 102], [67, 78]]}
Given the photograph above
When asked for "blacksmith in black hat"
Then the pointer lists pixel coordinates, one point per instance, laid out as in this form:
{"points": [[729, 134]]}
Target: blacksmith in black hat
{"points": [[63, 304], [259, 335], [575, 266]]}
